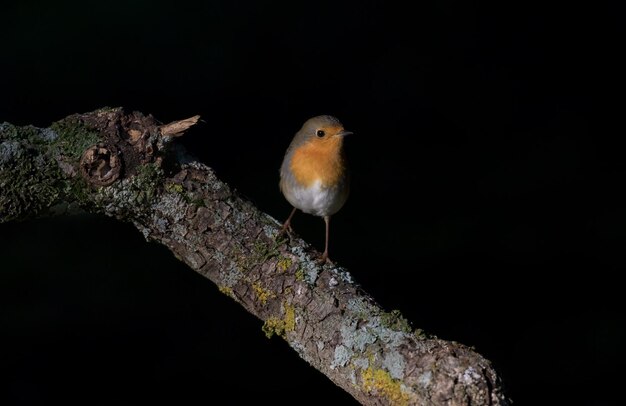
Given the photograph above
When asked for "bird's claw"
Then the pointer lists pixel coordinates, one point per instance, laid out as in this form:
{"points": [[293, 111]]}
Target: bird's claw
{"points": [[286, 229], [325, 260]]}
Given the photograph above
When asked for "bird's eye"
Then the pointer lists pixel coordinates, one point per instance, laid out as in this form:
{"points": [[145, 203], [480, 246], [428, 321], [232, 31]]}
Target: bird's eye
{"points": [[320, 133]]}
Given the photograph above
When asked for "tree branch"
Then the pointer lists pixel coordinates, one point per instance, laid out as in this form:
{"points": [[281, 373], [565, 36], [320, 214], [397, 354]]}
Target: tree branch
{"points": [[124, 166]]}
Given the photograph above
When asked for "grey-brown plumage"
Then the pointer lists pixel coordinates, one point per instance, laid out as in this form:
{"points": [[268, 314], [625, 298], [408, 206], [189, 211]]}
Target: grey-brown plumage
{"points": [[314, 176]]}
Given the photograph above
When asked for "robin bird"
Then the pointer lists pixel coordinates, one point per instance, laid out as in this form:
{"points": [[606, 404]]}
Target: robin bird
{"points": [[314, 174]]}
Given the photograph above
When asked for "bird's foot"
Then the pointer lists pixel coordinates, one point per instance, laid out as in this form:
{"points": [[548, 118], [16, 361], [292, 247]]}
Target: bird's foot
{"points": [[286, 229], [325, 260]]}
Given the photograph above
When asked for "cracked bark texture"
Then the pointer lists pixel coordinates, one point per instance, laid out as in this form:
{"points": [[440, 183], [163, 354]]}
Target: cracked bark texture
{"points": [[126, 166]]}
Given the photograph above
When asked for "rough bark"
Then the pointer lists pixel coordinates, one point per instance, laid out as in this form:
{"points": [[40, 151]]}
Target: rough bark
{"points": [[125, 166]]}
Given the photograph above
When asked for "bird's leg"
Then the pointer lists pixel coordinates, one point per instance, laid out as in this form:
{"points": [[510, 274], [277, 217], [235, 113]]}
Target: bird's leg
{"points": [[287, 225], [325, 259]]}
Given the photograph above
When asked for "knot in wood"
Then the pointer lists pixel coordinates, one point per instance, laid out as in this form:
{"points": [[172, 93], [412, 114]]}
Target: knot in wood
{"points": [[101, 165]]}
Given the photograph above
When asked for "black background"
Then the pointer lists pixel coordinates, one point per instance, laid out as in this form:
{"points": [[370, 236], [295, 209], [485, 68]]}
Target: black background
{"points": [[486, 203]]}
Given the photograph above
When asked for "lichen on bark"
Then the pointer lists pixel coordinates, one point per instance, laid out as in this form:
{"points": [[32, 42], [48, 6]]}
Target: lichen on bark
{"points": [[30, 178], [122, 165]]}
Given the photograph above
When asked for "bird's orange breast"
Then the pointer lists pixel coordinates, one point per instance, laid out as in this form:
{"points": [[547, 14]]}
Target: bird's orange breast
{"points": [[318, 160]]}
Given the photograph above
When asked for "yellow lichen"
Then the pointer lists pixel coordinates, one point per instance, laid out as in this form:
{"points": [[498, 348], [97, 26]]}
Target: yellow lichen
{"points": [[226, 290], [380, 382], [274, 325], [174, 188], [290, 318], [283, 264], [262, 294], [300, 275]]}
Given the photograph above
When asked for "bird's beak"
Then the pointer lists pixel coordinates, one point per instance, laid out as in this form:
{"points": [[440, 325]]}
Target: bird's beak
{"points": [[344, 133]]}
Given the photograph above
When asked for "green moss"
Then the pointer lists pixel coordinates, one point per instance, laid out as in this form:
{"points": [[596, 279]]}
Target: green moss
{"points": [[380, 382], [149, 173], [264, 251], [300, 275], [146, 181], [33, 181], [31, 184], [135, 193], [77, 189], [28, 132], [7, 131], [74, 137], [395, 321]]}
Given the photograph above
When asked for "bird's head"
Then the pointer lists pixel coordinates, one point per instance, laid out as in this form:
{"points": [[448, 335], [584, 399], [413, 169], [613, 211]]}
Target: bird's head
{"points": [[322, 130]]}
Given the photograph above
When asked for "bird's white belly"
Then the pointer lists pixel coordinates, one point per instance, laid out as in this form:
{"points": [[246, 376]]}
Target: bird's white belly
{"points": [[315, 199]]}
